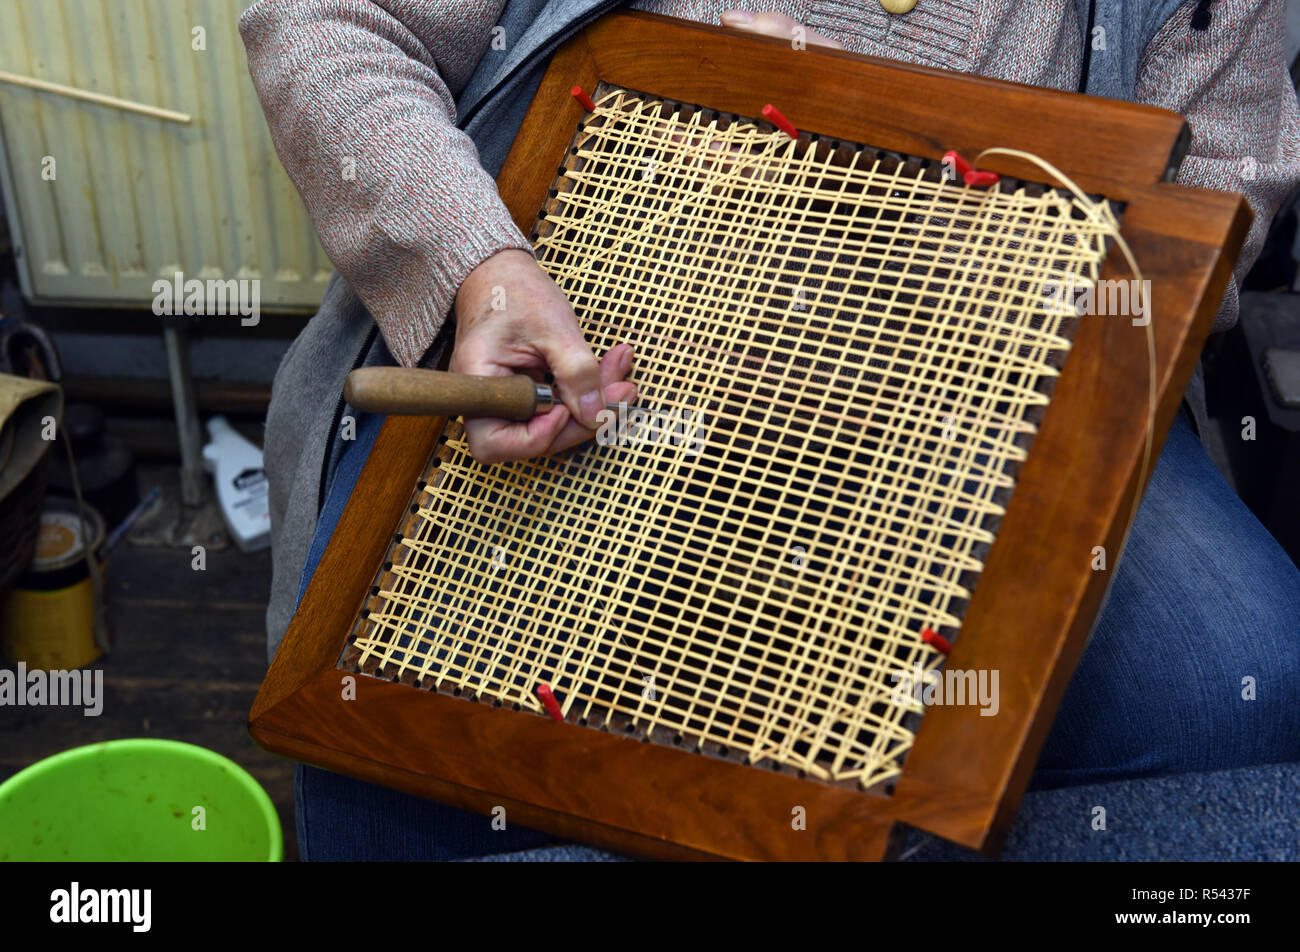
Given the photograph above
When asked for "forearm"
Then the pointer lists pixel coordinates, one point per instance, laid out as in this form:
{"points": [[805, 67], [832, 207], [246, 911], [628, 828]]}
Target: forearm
{"points": [[359, 97]]}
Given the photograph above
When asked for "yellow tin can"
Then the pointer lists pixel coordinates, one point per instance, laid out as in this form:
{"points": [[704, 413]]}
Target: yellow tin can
{"points": [[47, 620]]}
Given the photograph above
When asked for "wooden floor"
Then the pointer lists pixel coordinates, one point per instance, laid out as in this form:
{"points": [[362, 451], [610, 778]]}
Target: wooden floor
{"points": [[190, 652]]}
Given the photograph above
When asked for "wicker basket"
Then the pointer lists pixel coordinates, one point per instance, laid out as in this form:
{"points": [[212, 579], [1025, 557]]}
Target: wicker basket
{"points": [[20, 522]]}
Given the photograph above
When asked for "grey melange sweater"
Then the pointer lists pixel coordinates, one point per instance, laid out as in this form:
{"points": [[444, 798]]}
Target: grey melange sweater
{"points": [[417, 100]]}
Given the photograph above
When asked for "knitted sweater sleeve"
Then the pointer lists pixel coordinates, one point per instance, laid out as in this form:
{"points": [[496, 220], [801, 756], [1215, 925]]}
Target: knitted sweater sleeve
{"points": [[1232, 83], [360, 99]]}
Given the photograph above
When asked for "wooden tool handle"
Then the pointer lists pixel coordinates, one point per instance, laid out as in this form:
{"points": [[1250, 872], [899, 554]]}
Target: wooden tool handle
{"points": [[410, 391]]}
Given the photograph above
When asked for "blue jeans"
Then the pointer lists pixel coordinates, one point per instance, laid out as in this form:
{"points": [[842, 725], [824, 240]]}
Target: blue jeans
{"points": [[1204, 605]]}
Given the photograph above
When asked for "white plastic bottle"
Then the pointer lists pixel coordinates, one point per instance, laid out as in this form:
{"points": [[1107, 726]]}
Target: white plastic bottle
{"points": [[236, 468]]}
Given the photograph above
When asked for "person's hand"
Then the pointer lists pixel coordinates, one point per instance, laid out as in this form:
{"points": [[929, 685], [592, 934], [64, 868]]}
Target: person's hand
{"points": [[511, 318], [774, 24]]}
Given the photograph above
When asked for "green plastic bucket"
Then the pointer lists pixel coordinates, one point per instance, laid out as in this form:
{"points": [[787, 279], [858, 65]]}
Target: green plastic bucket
{"points": [[128, 800]]}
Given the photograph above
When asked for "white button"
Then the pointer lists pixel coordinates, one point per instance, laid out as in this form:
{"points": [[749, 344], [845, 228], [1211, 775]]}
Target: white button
{"points": [[898, 6]]}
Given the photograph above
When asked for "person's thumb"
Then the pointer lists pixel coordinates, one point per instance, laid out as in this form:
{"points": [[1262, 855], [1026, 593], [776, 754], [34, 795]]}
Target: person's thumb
{"points": [[576, 370]]}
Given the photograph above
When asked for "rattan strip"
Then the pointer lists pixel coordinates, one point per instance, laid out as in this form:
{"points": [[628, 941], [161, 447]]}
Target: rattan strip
{"points": [[865, 344]]}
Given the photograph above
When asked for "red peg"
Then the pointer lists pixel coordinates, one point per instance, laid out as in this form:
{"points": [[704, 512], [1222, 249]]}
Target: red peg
{"points": [[548, 701], [972, 177], [936, 640], [773, 115], [583, 98]]}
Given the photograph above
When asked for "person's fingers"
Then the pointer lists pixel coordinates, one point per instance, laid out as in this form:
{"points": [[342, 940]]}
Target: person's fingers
{"points": [[770, 23], [613, 367], [575, 433], [493, 441], [576, 370]]}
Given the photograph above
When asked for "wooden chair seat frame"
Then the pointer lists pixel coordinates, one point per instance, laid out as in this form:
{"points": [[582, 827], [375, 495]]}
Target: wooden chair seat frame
{"points": [[1036, 600]]}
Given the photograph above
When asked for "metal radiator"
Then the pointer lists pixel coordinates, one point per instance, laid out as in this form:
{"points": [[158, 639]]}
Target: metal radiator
{"points": [[102, 202]]}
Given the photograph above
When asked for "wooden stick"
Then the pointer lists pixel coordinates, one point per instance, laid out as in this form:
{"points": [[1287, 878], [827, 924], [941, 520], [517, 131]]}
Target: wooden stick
{"points": [[415, 391], [99, 99]]}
